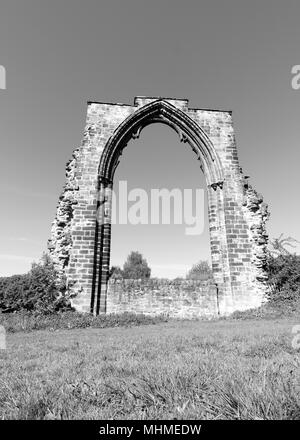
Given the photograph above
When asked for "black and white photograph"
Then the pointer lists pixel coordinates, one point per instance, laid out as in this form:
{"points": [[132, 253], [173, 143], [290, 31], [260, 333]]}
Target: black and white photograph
{"points": [[149, 238]]}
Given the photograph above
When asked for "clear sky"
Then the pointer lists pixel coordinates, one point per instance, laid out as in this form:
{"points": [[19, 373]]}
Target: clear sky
{"points": [[233, 54]]}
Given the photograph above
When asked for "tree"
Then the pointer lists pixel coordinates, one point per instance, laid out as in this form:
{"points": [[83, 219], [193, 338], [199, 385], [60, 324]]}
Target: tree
{"points": [[284, 277], [37, 290], [43, 293], [278, 245], [136, 267], [115, 272], [283, 269], [200, 271], [13, 290]]}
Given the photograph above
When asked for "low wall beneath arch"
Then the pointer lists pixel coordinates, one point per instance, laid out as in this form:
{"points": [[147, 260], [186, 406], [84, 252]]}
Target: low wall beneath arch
{"points": [[175, 298]]}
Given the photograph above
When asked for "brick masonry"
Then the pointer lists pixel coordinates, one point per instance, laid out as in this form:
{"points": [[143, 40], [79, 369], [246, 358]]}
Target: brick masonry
{"points": [[80, 236]]}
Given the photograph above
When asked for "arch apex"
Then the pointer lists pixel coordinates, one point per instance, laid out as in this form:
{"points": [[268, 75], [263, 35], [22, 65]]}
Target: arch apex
{"points": [[164, 111]]}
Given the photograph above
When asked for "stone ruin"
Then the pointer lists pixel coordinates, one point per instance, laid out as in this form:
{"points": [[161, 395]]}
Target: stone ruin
{"points": [[81, 231]]}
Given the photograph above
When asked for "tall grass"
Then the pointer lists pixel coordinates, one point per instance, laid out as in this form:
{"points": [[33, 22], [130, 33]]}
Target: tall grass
{"points": [[176, 370], [29, 321]]}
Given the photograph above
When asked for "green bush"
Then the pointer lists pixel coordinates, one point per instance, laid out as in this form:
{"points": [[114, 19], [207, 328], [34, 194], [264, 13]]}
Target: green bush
{"points": [[270, 310], [284, 278], [12, 292], [284, 288], [35, 291]]}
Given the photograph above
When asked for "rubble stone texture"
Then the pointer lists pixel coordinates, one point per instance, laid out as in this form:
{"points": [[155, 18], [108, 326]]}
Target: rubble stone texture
{"points": [[176, 298], [80, 237]]}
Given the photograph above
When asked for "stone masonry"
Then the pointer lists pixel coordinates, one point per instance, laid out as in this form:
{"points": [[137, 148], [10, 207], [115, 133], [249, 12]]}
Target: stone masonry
{"points": [[174, 298], [80, 237]]}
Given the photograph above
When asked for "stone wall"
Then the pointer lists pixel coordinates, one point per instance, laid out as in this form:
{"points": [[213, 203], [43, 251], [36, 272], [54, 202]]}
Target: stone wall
{"points": [[175, 298], [81, 231]]}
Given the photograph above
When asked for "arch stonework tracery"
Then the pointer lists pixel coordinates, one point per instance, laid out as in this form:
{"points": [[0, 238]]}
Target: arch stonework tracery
{"points": [[81, 231]]}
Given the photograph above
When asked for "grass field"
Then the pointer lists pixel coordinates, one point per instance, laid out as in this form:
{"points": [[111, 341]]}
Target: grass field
{"points": [[225, 369]]}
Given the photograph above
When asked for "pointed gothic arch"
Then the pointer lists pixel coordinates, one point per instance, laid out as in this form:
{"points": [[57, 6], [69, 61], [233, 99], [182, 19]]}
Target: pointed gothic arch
{"points": [[81, 232], [161, 111]]}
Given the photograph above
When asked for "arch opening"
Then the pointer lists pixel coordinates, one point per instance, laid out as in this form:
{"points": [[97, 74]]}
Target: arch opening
{"points": [[167, 209], [189, 132]]}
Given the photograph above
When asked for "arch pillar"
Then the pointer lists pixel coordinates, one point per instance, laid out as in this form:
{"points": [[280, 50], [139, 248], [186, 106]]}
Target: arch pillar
{"points": [[102, 246]]}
